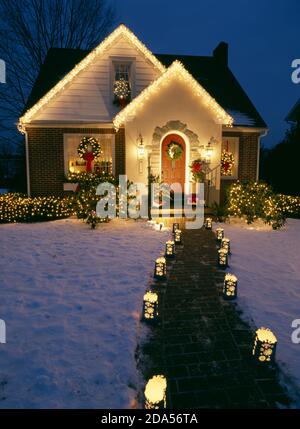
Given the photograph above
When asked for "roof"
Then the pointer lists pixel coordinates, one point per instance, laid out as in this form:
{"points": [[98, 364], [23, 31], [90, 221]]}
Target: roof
{"points": [[217, 79], [294, 114], [178, 72]]}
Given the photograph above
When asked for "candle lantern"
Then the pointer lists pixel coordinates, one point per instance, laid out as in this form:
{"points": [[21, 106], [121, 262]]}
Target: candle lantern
{"points": [[170, 249], [225, 244], [150, 306], [178, 236], [223, 258], [208, 223], [175, 226], [155, 393], [230, 286], [220, 233], [264, 345], [160, 270]]}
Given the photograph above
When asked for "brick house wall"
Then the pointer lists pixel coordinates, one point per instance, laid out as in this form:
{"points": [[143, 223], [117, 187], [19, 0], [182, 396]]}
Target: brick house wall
{"points": [[248, 156], [46, 156]]}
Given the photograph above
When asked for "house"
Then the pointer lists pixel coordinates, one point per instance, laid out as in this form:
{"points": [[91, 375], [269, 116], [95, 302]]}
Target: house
{"points": [[142, 108]]}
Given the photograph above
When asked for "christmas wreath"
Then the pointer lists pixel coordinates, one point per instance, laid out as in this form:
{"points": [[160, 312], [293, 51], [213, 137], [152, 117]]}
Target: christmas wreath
{"points": [[121, 91], [227, 163], [89, 149], [174, 151], [197, 170]]}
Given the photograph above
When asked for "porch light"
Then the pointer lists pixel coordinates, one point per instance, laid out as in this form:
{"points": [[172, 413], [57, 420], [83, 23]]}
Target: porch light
{"points": [[209, 151], [264, 345], [170, 249], [155, 393], [223, 258], [150, 306], [160, 270], [178, 236], [230, 286], [175, 226], [208, 223], [220, 233], [140, 148], [225, 244]]}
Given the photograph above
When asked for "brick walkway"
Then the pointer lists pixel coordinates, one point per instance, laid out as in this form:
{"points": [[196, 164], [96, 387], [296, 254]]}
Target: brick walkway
{"points": [[201, 344]]}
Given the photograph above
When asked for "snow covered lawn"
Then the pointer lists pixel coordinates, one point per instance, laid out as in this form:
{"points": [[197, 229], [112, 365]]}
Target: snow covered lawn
{"points": [[71, 299], [268, 268]]}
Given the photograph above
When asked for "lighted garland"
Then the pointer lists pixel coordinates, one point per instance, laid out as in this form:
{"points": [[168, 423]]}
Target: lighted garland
{"points": [[174, 151], [227, 163]]}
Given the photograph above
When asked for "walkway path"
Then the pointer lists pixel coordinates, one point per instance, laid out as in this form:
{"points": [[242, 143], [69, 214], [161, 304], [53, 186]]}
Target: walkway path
{"points": [[202, 345]]}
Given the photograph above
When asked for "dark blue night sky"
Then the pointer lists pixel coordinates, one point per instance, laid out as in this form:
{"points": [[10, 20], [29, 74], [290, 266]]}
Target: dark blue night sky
{"points": [[263, 37]]}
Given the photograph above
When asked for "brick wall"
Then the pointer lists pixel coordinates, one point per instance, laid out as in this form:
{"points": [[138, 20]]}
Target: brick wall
{"points": [[247, 170], [46, 156]]}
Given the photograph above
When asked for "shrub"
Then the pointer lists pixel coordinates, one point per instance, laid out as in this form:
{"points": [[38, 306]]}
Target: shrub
{"points": [[20, 208], [254, 200]]}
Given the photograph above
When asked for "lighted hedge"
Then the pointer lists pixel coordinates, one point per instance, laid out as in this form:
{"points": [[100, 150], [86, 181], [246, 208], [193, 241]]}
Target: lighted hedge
{"points": [[253, 200], [19, 208]]}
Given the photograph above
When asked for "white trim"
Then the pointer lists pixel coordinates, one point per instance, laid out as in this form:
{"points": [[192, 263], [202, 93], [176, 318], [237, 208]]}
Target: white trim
{"points": [[187, 153], [75, 124], [262, 131], [27, 164], [258, 153]]}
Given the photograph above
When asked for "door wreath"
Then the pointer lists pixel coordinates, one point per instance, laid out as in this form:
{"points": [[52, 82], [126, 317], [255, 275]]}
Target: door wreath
{"points": [[174, 152]]}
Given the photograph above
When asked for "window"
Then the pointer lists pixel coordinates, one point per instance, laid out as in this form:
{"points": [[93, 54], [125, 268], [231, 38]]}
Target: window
{"points": [[74, 164], [122, 82], [230, 158]]}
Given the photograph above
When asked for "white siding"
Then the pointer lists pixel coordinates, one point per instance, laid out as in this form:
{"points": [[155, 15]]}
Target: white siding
{"points": [[89, 97]]}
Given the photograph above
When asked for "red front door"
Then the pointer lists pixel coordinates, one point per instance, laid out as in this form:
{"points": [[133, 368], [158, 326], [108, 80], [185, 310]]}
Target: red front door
{"points": [[173, 171]]}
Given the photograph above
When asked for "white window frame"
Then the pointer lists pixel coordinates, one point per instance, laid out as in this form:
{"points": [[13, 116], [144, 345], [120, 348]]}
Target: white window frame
{"points": [[236, 142], [122, 60], [80, 136]]}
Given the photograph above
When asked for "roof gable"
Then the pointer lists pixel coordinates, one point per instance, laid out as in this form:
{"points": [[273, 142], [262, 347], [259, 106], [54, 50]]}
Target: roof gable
{"points": [[175, 71], [54, 91]]}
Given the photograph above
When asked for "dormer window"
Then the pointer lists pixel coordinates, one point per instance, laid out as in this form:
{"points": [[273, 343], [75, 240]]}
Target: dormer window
{"points": [[122, 83]]}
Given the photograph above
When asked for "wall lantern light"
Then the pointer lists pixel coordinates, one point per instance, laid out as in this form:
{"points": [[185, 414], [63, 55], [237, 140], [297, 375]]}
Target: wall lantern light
{"points": [[209, 151], [220, 233], [160, 270], [175, 226], [170, 249], [150, 306], [155, 393], [225, 244], [264, 345], [230, 286], [178, 236], [223, 258], [208, 223], [140, 147]]}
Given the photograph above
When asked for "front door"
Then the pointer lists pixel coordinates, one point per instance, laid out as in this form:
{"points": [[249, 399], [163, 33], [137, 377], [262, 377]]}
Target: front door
{"points": [[173, 170]]}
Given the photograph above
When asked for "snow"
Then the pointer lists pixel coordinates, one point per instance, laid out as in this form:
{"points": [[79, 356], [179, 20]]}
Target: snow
{"points": [[266, 263], [240, 118], [71, 299]]}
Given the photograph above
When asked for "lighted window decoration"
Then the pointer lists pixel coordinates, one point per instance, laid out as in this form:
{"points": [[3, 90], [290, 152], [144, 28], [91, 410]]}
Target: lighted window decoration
{"points": [[220, 233], [178, 237], [155, 393], [121, 92], [225, 244], [208, 223], [223, 258], [230, 286], [170, 249], [264, 345], [150, 306], [175, 226], [160, 270], [89, 149]]}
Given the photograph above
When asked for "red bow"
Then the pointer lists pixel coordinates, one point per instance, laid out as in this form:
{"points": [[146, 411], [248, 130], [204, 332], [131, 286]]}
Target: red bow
{"points": [[89, 158]]}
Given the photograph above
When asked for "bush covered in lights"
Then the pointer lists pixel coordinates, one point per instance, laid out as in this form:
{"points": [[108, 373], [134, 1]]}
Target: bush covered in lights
{"points": [[253, 200], [19, 208]]}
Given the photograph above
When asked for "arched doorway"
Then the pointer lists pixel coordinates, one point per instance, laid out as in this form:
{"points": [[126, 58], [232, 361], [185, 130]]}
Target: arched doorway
{"points": [[173, 171]]}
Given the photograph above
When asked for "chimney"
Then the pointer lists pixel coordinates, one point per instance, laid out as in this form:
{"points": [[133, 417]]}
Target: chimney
{"points": [[220, 53]]}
